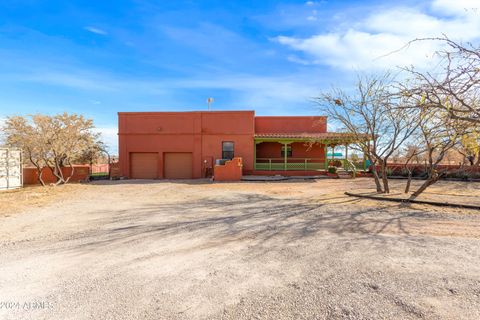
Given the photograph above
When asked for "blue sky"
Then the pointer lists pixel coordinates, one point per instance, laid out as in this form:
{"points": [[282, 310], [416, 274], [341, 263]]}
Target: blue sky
{"points": [[101, 57]]}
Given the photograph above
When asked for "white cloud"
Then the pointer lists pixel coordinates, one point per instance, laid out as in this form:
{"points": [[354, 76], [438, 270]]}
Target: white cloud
{"points": [[369, 43], [248, 91], [73, 78], [96, 30], [456, 6], [276, 88], [298, 60], [359, 50], [256, 91], [314, 3]]}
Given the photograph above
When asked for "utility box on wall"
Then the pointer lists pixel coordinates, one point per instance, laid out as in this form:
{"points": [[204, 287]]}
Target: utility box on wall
{"points": [[10, 169]]}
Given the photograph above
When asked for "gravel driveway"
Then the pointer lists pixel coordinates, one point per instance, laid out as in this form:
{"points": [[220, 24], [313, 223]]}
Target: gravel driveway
{"points": [[196, 250]]}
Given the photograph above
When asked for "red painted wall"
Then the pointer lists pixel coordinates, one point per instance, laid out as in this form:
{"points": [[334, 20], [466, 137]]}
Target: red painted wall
{"points": [[30, 175], [397, 168], [230, 171], [299, 150], [199, 132], [290, 124]]}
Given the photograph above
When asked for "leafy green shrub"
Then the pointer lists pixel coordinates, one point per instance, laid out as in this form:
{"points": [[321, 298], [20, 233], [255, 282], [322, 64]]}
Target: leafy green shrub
{"points": [[335, 163], [419, 172], [389, 172], [332, 169], [404, 172], [458, 175]]}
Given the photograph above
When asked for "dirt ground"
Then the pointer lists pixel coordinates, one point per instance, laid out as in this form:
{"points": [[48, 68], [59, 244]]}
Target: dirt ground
{"points": [[250, 250]]}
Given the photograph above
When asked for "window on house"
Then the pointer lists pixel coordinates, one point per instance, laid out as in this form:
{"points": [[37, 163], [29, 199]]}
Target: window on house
{"points": [[227, 150], [289, 152]]}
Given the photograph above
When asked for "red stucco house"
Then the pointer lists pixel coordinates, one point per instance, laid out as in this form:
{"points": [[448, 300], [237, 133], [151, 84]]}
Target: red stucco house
{"points": [[177, 145]]}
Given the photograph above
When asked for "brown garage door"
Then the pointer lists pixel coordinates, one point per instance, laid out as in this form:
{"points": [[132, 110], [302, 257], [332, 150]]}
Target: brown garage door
{"points": [[144, 165], [178, 165]]}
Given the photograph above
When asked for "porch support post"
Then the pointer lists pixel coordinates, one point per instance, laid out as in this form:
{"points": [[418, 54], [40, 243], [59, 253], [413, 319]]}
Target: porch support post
{"points": [[285, 155], [364, 161], [346, 155], [254, 155], [325, 151]]}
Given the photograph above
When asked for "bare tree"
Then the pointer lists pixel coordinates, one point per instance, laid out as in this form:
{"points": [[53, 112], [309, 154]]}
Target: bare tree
{"points": [[454, 85], [372, 114], [440, 133], [20, 133], [51, 141], [413, 153]]}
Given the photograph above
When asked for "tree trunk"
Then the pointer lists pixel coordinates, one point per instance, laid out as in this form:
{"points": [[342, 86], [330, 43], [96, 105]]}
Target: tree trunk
{"points": [[40, 173], [57, 172], [433, 177], [37, 165], [386, 188], [423, 187], [409, 181], [471, 160], [72, 170], [58, 168], [52, 169], [58, 176], [376, 178]]}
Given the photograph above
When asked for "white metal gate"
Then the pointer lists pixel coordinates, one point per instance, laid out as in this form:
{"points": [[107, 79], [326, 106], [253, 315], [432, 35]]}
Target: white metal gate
{"points": [[11, 175]]}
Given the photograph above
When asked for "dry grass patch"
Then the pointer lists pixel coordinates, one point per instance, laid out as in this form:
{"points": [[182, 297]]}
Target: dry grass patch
{"points": [[18, 200]]}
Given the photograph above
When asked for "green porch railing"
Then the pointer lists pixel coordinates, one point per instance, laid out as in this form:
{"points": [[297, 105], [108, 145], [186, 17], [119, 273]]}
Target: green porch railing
{"points": [[278, 164], [305, 164]]}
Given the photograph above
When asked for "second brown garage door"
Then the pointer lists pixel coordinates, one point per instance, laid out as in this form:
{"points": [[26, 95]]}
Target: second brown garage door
{"points": [[177, 165], [143, 165]]}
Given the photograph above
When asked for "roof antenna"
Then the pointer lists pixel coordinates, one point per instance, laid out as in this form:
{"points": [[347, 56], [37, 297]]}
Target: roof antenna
{"points": [[209, 101]]}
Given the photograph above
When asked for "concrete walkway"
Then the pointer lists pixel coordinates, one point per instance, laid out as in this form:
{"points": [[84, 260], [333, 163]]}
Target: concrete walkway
{"points": [[280, 178]]}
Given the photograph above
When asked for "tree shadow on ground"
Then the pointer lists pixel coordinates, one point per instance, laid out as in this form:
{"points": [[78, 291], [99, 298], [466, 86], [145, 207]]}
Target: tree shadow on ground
{"points": [[269, 223], [151, 181], [192, 181]]}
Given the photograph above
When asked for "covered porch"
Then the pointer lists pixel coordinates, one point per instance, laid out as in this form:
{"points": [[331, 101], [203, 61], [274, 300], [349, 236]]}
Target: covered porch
{"points": [[305, 152]]}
